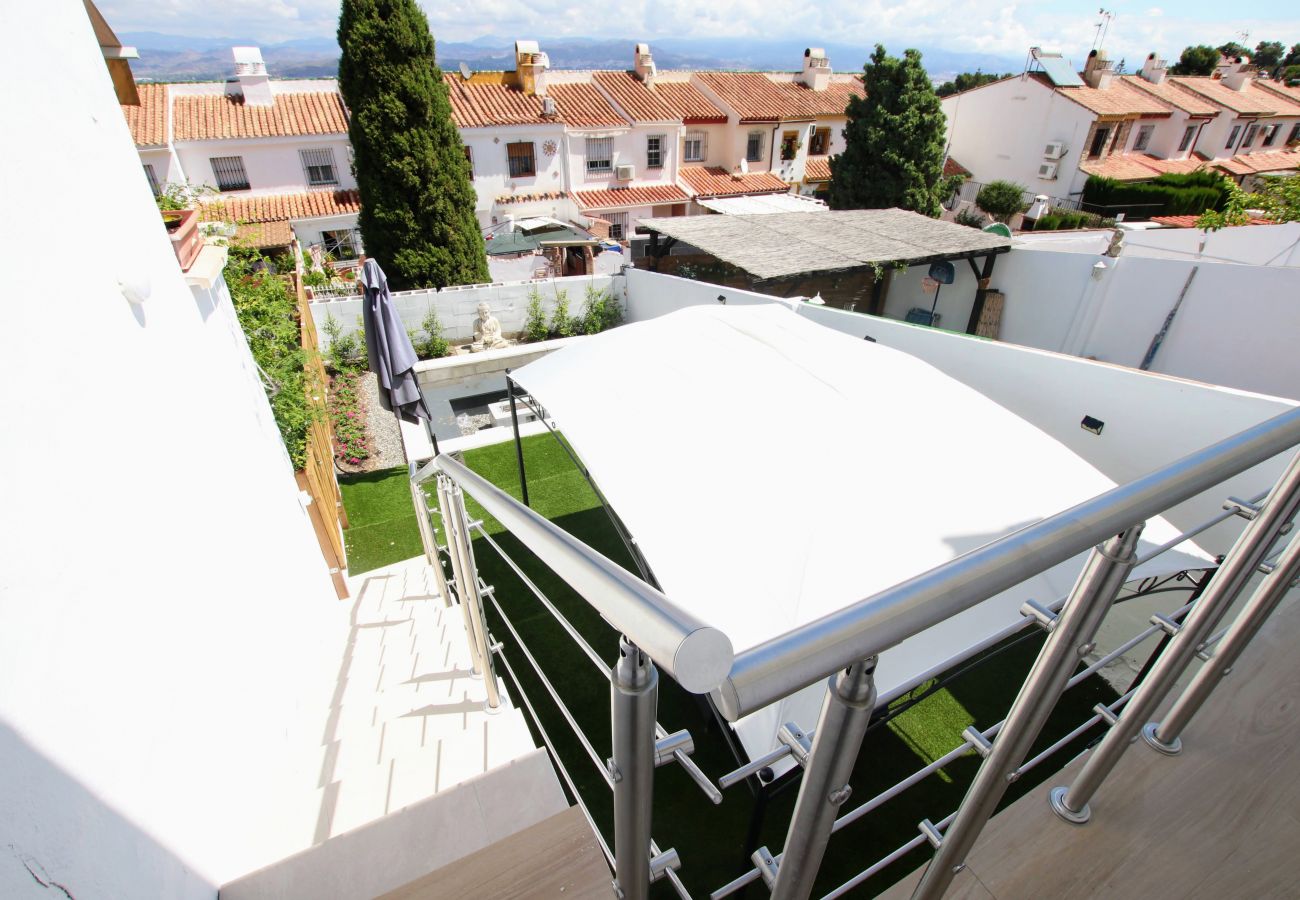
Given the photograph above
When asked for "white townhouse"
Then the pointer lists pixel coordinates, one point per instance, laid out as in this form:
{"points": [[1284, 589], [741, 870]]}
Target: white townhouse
{"points": [[275, 152]]}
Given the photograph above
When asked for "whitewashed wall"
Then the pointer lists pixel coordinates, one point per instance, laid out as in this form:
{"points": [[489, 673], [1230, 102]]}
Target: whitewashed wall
{"points": [[492, 170], [273, 165], [458, 307], [170, 639]]}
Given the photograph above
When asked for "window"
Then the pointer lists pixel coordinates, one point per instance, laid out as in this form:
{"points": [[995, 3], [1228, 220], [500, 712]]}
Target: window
{"points": [[820, 144], [1232, 137], [1270, 135], [693, 147], [1144, 137], [344, 244], [789, 145], [469, 158], [1251, 130], [654, 151], [319, 166], [600, 154], [229, 171], [1188, 133], [1295, 135], [754, 147], [617, 225], [521, 159], [1098, 142], [153, 181]]}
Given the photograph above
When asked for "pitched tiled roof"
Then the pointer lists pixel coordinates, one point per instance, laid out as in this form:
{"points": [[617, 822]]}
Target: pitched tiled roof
{"points": [[952, 167], [1190, 221], [758, 98], [482, 104], [1188, 102], [715, 181], [833, 101], [148, 121], [213, 117], [1253, 101], [617, 198], [660, 101], [1282, 90], [1251, 163], [1140, 166], [283, 207], [1120, 99], [818, 168], [261, 235]]}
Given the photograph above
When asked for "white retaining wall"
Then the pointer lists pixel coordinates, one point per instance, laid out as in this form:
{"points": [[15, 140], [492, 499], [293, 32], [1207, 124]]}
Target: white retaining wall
{"points": [[457, 307]]}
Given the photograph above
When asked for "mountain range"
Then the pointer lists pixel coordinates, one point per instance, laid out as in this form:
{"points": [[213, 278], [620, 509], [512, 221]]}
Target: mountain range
{"points": [[165, 57]]}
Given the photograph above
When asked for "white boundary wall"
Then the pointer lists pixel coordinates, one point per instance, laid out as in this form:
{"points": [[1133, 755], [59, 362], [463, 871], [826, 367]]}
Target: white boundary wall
{"points": [[457, 307], [169, 638]]}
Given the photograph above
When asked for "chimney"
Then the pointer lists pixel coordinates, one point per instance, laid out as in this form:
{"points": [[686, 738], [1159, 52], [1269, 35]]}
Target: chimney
{"points": [[1239, 74], [250, 72], [531, 65], [816, 72], [1154, 69], [1097, 70], [644, 64]]}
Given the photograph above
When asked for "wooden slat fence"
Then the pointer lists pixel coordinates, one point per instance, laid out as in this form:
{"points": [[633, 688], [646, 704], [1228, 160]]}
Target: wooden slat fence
{"points": [[317, 478]]}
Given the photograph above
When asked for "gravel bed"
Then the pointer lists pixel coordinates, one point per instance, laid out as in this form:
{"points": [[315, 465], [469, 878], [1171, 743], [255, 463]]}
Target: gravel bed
{"points": [[385, 433]]}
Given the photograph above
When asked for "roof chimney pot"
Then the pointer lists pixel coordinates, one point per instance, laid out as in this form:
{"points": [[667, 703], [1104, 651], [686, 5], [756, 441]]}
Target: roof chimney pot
{"points": [[643, 63], [1154, 69], [1097, 71], [250, 73], [816, 74], [530, 67]]}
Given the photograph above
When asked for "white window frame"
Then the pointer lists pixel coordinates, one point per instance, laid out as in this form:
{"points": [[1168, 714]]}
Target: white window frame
{"points": [[320, 159], [335, 239], [599, 156], [1189, 137], [754, 142], [1252, 132], [618, 224], [1232, 137], [153, 179], [656, 158], [230, 173], [700, 140], [1143, 138]]}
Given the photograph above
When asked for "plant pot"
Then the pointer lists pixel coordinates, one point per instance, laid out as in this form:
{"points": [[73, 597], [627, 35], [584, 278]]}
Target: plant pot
{"points": [[185, 237]]}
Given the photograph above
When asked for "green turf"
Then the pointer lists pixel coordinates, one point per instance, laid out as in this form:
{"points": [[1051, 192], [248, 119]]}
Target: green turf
{"points": [[711, 840], [381, 520]]}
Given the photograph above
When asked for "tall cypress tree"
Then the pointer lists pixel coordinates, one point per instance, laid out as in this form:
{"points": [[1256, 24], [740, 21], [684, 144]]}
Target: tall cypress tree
{"points": [[894, 140], [417, 202]]}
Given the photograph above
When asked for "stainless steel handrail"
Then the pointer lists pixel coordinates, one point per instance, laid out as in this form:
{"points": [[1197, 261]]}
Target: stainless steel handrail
{"points": [[811, 652], [697, 655]]}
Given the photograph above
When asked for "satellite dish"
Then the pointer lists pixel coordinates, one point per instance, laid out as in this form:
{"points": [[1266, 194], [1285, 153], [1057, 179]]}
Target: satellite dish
{"points": [[744, 166], [464, 70]]}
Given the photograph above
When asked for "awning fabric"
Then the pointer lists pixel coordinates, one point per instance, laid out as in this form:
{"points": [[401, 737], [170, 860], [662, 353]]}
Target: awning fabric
{"points": [[772, 470], [763, 203]]}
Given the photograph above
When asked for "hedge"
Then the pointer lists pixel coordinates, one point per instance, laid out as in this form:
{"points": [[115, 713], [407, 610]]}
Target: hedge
{"points": [[1166, 195]]}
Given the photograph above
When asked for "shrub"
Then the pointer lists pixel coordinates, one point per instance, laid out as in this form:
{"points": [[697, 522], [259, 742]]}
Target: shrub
{"points": [[562, 324], [535, 325], [346, 352], [600, 312], [969, 218], [1058, 218], [348, 415], [1171, 194], [432, 345], [1001, 199]]}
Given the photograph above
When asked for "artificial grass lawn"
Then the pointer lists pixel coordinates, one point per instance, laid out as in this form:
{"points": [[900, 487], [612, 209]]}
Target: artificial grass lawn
{"points": [[711, 839]]}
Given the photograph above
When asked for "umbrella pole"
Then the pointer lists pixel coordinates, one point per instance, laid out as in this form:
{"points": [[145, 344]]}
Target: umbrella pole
{"points": [[519, 445], [428, 427]]}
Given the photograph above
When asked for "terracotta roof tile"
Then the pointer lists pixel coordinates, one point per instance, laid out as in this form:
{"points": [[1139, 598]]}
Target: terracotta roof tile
{"points": [[283, 207], [1252, 163], [664, 100], [1191, 103], [952, 167], [1140, 166], [584, 106], [715, 181], [818, 168], [1254, 100], [476, 104], [617, 198], [1282, 90], [508, 199], [261, 235], [148, 121], [1120, 99], [215, 117], [1190, 221], [758, 98]]}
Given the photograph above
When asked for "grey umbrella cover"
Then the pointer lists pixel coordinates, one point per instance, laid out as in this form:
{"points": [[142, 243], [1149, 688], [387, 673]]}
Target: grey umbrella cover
{"points": [[391, 356]]}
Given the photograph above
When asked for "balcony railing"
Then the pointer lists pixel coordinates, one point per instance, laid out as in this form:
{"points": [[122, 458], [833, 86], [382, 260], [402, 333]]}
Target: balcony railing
{"points": [[842, 648]]}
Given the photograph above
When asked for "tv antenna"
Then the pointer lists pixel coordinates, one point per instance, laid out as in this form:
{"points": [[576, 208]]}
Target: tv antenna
{"points": [[1102, 27]]}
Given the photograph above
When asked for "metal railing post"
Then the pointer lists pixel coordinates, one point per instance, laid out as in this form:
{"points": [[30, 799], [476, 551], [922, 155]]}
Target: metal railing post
{"points": [[457, 568], [634, 701], [1249, 550], [471, 599], [1070, 638], [846, 712], [427, 538], [1164, 735]]}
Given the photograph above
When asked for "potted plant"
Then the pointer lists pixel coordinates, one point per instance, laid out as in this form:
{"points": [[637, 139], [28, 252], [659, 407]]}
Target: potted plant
{"points": [[183, 229]]}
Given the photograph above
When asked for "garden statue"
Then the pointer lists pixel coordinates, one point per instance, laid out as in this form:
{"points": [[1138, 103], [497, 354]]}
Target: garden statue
{"points": [[487, 331]]}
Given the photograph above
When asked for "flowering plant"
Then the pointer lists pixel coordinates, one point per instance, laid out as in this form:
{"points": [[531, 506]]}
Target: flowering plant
{"points": [[348, 415]]}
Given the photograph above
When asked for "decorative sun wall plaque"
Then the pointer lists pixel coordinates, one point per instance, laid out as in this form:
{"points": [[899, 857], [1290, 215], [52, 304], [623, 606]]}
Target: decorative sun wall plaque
{"points": [[549, 148]]}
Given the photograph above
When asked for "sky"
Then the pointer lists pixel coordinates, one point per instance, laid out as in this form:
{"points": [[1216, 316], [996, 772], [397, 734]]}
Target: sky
{"points": [[1003, 27]]}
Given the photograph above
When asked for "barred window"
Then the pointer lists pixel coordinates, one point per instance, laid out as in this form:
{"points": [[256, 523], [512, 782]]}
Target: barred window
{"points": [[153, 181], [654, 151], [521, 159], [617, 224], [319, 166], [1144, 137], [693, 147], [600, 154], [229, 172], [754, 147]]}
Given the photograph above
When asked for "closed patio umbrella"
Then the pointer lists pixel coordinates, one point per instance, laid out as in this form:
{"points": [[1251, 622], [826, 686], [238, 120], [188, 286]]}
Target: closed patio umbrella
{"points": [[391, 356]]}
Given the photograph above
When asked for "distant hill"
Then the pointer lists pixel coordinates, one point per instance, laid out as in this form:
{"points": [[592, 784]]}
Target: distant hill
{"points": [[166, 57]]}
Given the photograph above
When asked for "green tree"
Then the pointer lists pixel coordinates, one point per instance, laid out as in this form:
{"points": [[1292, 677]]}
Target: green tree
{"points": [[417, 203], [1268, 54], [1292, 57], [967, 80], [1001, 199], [893, 154], [1279, 198], [1232, 50], [1198, 60]]}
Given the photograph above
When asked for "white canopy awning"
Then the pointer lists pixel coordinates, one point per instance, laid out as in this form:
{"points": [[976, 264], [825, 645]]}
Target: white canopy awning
{"points": [[772, 470], [763, 203]]}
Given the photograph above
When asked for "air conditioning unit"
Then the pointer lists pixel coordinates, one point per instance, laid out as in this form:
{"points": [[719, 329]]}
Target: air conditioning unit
{"points": [[625, 173], [1054, 150], [1047, 171]]}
